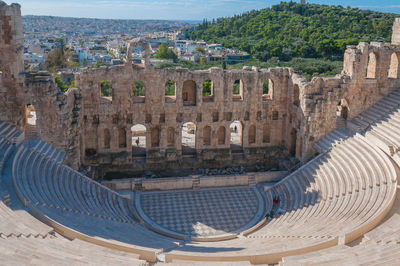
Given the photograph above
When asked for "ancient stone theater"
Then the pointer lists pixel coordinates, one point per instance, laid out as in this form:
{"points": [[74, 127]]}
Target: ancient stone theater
{"points": [[337, 202]]}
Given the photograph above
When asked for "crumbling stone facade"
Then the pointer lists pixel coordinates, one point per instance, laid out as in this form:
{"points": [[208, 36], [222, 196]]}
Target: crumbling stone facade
{"points": [[95, 129], [261, 117]]}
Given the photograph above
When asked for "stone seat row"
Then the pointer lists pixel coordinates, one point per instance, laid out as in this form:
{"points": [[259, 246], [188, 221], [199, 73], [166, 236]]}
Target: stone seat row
{"points": [[48, 150], [80, 207], [381, 246], [25, 240], [338, 196], [330, 140], [60, 251], [15, 221], [53, 185], [377, 112], [324, 188]]}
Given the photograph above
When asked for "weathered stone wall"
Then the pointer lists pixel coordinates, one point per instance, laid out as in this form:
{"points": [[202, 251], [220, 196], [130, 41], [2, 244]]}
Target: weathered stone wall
{"points": [[57, 113], [159, 112], [191, 182], [11, 64], [370, 72]]}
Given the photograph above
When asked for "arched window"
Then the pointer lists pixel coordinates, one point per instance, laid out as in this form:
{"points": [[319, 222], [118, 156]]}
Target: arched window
{"points": [[138, 88], [236, 139], [208, 91], [252, 134], [189, 138], [394, 66], [171, 137], [266, 134], [221, 135], [237, 90], [155, 137], [122, 137], [107, 138], [138, 140], [372, 64], [268, 89], [31, 115], [189, 93], [105, 88], [170, 88], [207, 135]]}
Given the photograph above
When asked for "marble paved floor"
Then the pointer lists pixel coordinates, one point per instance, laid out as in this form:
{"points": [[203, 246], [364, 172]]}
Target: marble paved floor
{"points": [[204, 212]]}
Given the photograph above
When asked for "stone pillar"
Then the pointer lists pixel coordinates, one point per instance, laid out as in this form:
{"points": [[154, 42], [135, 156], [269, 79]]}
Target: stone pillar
{"points": [[12, 65], [396, 32]]}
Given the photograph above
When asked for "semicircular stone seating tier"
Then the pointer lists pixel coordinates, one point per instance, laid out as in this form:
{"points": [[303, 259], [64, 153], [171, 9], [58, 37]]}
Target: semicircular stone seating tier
{"points": [[332, 200], [25, 240], [380, 125], [78, 207]]}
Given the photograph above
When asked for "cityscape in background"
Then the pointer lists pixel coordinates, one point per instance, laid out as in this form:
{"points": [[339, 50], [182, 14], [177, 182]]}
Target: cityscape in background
{"points": [[98, 42]]}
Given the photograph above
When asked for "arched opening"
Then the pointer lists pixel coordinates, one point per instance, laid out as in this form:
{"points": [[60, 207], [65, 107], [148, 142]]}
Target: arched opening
{"points": [[189, 138], [394, 66], [252, 134], [296, 95], [189, 93], [138, 91], [342, 114], [293, 139], [171, 137], [170, 91], [208, 91], [207, 135], [155, 137], [221, 135], [31, 115], [267, 133], [122, 137], [236, 139], [105, 89], [342, 109], [138, 88], [138, 140], [371, 67], [237, 90], [268, 89], [107, 138]]}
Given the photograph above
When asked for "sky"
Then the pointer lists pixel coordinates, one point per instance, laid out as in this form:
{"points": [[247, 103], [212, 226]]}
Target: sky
{"points": [[173, 10]]}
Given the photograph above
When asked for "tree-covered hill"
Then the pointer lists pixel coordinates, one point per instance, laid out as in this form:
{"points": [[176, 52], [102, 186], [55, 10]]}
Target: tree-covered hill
{"points": [[291, 30]]}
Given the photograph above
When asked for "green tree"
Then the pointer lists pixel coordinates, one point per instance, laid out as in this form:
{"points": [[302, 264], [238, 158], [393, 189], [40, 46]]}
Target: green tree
{"points": [[203, 61], [290, 30], [164, 52], [200, 50], [60, 83]]}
